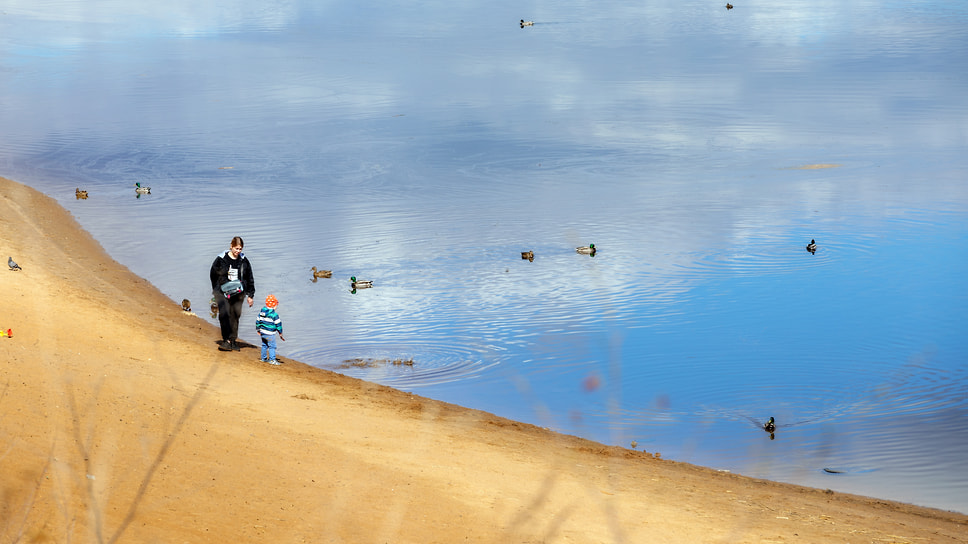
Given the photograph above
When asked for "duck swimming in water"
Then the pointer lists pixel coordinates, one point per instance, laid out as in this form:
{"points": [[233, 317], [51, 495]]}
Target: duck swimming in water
{"points": [[770, 426], [529, 255], [360, 284], [79, 194], [322, 273], [142, 190], [586, 250], [526, 23], [812, 246]]}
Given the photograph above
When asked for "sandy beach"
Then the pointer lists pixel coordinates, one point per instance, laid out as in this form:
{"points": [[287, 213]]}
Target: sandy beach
{"points": [[122, 422]]}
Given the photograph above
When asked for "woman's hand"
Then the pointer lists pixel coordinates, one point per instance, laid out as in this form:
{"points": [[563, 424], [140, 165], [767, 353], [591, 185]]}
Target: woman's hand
{"points": [[250, 302]]}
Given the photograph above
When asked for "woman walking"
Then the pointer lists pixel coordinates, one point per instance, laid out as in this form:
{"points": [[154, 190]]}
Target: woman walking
{"points": [[232, 281]]}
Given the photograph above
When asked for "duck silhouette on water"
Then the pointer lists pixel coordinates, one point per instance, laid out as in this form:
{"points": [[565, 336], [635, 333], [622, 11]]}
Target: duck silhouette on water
{"points": [[770, 427]]}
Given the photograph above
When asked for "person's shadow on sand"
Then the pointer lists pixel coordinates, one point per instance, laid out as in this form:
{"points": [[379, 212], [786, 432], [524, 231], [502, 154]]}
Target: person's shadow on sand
{"points": [[241, 343]]}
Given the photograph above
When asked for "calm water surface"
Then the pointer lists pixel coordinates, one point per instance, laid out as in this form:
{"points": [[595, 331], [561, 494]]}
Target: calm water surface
{"points": [[424, 147]]}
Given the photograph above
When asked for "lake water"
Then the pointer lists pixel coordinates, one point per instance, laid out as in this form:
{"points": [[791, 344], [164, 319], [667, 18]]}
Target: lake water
{"points": [[424, 147]]}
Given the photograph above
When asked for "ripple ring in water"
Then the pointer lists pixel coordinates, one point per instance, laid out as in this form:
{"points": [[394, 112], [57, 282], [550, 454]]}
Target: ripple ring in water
{"points": [[405, 366]]}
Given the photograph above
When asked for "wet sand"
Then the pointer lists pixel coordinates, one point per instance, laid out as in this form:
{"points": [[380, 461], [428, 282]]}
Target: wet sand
{"points": [[121, 422]]}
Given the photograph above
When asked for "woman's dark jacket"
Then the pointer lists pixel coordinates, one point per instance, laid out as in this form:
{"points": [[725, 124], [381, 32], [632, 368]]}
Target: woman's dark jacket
{"points": [[219, 273]]}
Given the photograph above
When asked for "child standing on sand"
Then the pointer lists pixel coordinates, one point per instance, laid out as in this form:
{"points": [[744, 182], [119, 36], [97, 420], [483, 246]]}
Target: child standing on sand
{"points": [[267, 325]]}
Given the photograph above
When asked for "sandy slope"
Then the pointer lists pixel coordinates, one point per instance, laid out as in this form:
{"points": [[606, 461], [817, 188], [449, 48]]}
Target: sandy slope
{"points": [[121, 422]]}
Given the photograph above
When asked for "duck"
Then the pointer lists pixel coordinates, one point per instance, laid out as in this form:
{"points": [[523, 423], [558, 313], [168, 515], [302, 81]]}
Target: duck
{"points": [[586, 250], [360, 284], [322, 273], [529, 255], [142, 190], [812, 246], [770, 426], [526, 23], [186, 305], [729, 6], [79, 194]]}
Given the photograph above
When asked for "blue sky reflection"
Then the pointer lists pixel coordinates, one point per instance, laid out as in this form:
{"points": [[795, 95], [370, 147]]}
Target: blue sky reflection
{"points": [[426, 145]]}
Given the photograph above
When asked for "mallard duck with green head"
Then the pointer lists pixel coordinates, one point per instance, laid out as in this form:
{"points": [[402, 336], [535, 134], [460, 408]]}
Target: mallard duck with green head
{"points": [[770, 426], [586, 250], [360, 284], [526, 23], [141, 190]]}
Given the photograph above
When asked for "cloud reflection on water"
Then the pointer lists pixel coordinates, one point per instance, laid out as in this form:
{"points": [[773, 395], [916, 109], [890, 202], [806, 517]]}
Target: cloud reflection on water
{"points": [[426, 145]]}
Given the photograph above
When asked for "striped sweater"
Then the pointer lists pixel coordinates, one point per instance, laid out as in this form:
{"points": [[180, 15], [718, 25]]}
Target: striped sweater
{"points": [[268, 322]]}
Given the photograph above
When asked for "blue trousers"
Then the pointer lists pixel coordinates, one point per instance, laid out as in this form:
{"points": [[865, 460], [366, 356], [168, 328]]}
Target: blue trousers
{"points": [[268, 347]]}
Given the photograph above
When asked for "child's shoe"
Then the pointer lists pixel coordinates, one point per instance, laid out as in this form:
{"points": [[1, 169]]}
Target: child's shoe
{"points": [[273, 362]]}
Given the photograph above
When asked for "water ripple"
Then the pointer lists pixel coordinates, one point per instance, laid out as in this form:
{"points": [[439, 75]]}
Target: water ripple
{"points": [[405, 366]]}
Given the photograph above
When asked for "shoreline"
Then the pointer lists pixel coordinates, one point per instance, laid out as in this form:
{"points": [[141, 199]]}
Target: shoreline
{"points": [[124, 423]]}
